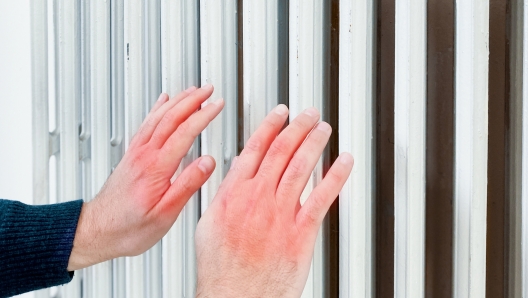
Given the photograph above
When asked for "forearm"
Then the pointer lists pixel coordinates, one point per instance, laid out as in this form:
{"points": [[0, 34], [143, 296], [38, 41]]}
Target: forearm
{"points": [[36, 242]]}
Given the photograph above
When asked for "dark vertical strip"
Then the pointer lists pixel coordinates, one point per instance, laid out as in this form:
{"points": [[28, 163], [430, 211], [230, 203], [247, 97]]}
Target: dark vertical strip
{"points": [[440, 148], [284, 49], [498, 92], [332, 225], [512, 204], [240, 78], [385, 151]]}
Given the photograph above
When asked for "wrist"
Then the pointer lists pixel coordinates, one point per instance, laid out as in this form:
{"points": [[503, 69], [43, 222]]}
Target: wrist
{"points": [[87, 250]]}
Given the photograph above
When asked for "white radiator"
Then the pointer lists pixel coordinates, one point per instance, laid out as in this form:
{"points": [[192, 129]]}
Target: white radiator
{"points": [[98, 66]]}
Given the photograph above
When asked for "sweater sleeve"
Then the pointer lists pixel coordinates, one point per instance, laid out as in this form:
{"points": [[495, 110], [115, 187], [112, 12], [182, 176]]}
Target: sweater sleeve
{"points": [[35, 245]]}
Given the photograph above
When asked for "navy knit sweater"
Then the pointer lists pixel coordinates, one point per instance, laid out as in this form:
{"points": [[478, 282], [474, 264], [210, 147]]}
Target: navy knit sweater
{"points": [[35, 245]]}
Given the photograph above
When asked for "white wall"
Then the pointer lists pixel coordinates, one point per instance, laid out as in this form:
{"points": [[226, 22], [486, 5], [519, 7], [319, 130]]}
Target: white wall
{"points": [[15, 103]]}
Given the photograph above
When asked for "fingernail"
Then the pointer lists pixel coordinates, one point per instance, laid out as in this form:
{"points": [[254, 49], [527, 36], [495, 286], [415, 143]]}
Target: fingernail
{"points": [[218, 102], [233, 162], [207, 87], [162, 96], [192, 88], [281, 110], [312, 112], [206, 165], [324, 127], [346, 159]]}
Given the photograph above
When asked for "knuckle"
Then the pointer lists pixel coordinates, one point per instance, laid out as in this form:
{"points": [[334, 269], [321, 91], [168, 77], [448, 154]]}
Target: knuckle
{"points": [[186, 184], [185, 129], [279, 147], [302, 123], [150, 122], [312, 215], [333, 177], [297, 167], [317, 200], [254, 144], [269, 123]]}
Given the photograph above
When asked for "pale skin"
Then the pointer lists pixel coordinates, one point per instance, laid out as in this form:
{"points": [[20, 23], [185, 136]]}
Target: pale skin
{"points": [[138, 203], [255, 239]]}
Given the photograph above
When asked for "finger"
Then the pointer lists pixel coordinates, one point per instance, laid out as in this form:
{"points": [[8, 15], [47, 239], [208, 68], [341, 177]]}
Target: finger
{"points": [[163, 98], [284, 146], [259, 143], [187, 183], [179, 114], [154, 117], [314, 210], [181, 140], [302, 164]]}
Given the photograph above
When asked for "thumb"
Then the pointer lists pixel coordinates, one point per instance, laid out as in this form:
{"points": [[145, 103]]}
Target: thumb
{"points": [[187, 183]]}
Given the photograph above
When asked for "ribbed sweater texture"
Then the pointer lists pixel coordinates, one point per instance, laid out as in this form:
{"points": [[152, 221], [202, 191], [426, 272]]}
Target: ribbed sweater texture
{"points": [[35, 245]]}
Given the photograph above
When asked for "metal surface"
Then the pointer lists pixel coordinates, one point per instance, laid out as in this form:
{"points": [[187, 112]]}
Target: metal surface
{"points": [[218, 34], [308, 26], [524, 171], [180, 69], [409, 148], [514, 166], [39, 104], [68, 182], [98, 279], [356, 120], [98, 66], [471, 136], [135, 110], [260, 61]]}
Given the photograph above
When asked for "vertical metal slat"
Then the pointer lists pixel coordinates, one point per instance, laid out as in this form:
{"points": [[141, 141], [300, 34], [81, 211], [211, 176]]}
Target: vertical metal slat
{"points": [[68, 187], [308, 87], [261, 68], [356, 118], [135, 109], [524, 148], [152, 69], [218, 32], [409, 148], [100, 275], [471, 138], [514, 205], [180, 70], [40, 115]]}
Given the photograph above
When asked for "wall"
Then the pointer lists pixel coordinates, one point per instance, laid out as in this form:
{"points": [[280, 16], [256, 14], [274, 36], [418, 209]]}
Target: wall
{"points": [[15, 103]]}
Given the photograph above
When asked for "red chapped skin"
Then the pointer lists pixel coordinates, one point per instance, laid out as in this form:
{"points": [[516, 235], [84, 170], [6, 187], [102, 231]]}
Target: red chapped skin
{"points": [[255, 239], [138, 203]]}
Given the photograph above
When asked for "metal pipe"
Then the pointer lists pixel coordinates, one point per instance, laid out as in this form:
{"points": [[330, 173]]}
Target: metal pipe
{"points": [[409, 148], [356, 121], [261, 61], [308, 33], [39, 104], [218, 32], [471, 140], [180, 69], [524, 148], [135, 110], [100, 278], [69, 76]]}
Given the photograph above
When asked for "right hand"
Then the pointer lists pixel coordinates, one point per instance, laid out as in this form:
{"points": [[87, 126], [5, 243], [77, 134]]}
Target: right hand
{"points": [[255, 239]]}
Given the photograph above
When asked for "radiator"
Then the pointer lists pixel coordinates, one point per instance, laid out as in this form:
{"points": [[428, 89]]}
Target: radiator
{"points": [[371, 67]]}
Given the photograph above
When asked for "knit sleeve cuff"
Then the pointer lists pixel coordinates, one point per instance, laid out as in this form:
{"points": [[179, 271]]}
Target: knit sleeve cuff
{"points": [[35, 244]]}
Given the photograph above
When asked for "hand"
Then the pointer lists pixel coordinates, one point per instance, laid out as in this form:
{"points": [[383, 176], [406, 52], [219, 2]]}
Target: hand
{"points": [[255, 239], [138, 204]]}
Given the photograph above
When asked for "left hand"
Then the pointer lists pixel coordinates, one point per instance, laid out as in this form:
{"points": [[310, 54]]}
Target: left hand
{"points": [[138, 204]]}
